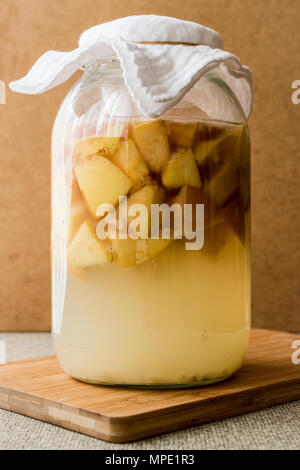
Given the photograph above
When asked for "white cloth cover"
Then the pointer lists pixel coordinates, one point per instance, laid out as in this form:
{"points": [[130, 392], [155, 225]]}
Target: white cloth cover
{"points": [[156, 75]]}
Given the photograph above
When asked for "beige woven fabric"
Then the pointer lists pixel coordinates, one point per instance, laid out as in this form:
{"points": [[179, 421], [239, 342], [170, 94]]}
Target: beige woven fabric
{"points": [[274, 428]]}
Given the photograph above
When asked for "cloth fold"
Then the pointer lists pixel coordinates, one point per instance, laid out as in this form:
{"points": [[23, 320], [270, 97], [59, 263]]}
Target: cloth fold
{"points": [[157, 75]]}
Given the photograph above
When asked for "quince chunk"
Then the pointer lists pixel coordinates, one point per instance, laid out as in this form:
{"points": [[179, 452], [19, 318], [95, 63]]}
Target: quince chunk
{"points": [[208, 138], [101, 182], [188, 195], [134, 252], [222, 186], [86, 249], [180, 134], [152, 141], [125, 251], [129, 159], [78, 211], [148, 249], [146, 196], [181, 170], [218, 143], [104, 146]]}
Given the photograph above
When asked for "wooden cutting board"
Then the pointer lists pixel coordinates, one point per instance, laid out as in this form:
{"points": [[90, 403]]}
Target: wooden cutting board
{"points": [[40, 389]]}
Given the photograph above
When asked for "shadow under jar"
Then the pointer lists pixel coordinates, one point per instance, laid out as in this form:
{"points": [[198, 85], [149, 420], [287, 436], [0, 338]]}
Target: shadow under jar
{"points": [[149, 312]]}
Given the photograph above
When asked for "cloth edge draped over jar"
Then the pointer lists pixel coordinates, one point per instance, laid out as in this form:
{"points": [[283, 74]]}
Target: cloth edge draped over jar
{"points": [[157, 75]]}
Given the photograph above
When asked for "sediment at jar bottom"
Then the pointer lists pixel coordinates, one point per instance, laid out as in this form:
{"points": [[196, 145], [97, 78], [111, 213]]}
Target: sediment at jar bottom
{"points": [[170, 361]]}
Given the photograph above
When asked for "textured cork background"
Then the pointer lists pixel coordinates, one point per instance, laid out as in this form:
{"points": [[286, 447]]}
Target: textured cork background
{"points": [[265, 34]]}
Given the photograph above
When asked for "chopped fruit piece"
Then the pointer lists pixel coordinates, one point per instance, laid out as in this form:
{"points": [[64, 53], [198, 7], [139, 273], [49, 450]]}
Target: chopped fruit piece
{"points": [[210, 142], [194, 196], [188, 195], [222, 186], [101, 182], [148, 195], [80, 273], [86, 249], [78, 212], [203, 149], [147, 249], [130, 161], [181, 170], [181, 135], [208, 138], [152, 141], [125, 252], [132, 252], [229, 150], [104, 146], [222, 171], [234, 214]]}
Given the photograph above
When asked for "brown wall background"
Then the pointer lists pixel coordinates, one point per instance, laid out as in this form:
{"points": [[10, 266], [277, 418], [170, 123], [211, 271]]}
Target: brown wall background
{"points": [[265, 34]]}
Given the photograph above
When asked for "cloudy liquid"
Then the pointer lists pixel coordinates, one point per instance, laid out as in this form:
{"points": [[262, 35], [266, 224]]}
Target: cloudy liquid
{"points": [[181, 318]]}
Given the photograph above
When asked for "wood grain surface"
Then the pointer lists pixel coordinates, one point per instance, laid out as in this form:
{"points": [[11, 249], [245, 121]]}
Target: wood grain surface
{"points": [[40, 389], [265, 34]]}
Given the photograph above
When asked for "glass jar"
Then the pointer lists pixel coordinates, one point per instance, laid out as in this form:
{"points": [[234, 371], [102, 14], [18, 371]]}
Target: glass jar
{"points": [[150, 312]]}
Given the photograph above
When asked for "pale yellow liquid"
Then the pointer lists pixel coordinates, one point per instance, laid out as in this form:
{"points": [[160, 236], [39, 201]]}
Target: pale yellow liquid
{"points": [[181, 318]]}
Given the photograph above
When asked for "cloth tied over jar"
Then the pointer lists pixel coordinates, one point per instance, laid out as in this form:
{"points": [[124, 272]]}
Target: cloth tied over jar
{"points": [[161, 59]]}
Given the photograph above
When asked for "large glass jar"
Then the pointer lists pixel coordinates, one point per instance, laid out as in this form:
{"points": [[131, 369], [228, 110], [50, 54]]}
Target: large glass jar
{"points": [[155, 312]]}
